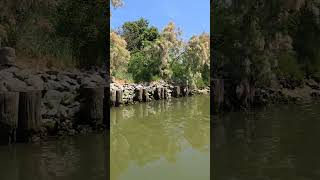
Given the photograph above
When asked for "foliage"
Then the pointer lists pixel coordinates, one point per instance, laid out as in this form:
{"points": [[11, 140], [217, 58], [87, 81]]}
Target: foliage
{"points": [[143, 68], [163, 55], [260, 40], [85, 26], [116, 3], [138, 33], [288, 68], [119, 55], [65, 30]]}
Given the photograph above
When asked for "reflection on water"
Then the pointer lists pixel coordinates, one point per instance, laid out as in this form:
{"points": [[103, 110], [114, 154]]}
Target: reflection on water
{"points": [[279, 142], [163, 140], [81, 158]]}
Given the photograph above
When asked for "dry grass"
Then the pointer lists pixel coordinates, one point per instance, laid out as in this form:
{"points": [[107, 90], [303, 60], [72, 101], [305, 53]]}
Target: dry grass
{"points": [[43, 63]]}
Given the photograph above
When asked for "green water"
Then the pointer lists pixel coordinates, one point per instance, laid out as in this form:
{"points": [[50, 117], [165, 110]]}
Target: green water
{"points": [[154, 141], [163, 140], [280, 142]]}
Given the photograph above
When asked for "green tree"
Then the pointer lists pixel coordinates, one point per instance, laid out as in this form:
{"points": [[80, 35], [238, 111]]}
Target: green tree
{"points": [[119, 55], [138, 33], [84, 23]]}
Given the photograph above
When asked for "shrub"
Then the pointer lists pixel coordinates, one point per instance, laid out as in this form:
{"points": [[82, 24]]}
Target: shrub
{"points": [[289, 68]]}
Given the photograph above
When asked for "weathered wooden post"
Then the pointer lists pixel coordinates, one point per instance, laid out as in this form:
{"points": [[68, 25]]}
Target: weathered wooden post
{"points": [[165, 93], [145, 95], [187, 91], [162, 93], [183, 90], [29, 120], [176, 92], [106, 107], [93, 105], [157, 93], [9, 105], [138, 94], [112, 98], [119, 99]]}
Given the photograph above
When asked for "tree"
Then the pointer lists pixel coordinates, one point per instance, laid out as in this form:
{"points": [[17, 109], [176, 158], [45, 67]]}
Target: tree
{"points": [[138, 34], [157, 51], [119, 55], [116, 3], [197, 59], [85, 26]]}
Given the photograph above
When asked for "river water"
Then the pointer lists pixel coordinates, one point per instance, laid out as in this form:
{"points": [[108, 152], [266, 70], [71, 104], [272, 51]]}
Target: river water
{"points": [[279, 142], [169, 140], [81, 158], [162, 140]]}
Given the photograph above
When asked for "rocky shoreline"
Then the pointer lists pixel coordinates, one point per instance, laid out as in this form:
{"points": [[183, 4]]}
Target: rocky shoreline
{"points": [[35, 105], [60, 100], [131, 93], [243, 96]]}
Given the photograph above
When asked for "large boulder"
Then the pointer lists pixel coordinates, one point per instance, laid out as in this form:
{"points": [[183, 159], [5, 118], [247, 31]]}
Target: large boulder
{"points": [[7, 56]]}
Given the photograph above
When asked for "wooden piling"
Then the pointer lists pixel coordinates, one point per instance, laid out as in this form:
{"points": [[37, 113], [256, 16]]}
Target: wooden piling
{"points": [[183, 90], [162, 93], [29, 120], [176, 92], [119, 95], [112, 98], [93, 105], [157, 93], [165, 93], [9, 105], [138, 94], [145, 95], [106, 107]]}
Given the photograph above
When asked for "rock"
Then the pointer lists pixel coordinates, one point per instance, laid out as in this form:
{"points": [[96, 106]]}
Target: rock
{"points": [[36, 82], [14, 84], [313, 84], [52, 99], [7, 56], [315, 94], [52, 85], [50, 125]]}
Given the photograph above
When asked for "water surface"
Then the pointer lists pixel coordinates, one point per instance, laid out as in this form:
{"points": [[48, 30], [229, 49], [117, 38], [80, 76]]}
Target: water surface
{"points": [[161, 140], [280, 142], [81, 158]]}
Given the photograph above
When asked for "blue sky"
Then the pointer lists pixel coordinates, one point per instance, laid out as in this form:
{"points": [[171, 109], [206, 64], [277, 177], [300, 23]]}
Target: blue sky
{"points": [[191, 16]]}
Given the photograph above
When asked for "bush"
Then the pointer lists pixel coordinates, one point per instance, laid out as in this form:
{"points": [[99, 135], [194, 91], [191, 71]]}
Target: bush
{"points": [[143, 68], [289, 68]]}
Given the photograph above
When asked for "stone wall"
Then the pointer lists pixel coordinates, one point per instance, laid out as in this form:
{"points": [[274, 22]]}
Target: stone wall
{"points": [[126, 94], [60, 94]]}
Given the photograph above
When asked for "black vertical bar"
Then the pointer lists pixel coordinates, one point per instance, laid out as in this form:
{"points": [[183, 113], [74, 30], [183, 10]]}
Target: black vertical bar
{"points": [[107, 90], [212, 70]]}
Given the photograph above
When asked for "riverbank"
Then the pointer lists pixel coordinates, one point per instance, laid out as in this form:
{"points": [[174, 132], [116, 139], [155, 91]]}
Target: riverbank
{"points": [[35, 105], [231, 97], [38, 104], [131, 93]]}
